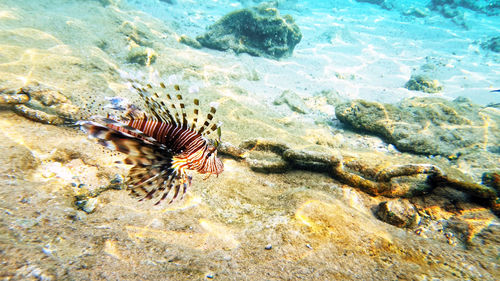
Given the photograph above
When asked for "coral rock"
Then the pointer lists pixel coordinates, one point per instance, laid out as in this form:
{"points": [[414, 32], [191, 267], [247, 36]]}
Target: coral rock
{"points": [[258, 31], [492, 44], [399, 213], [424, 84], [186, 40], [142, 56], [492, 179], [430, 126]]}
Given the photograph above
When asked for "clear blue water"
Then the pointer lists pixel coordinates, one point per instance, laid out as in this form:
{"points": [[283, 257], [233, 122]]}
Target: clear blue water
{"points": [[381, 44]]}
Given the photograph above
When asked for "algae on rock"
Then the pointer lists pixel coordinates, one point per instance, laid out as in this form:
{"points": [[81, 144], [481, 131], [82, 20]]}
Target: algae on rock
{"points": [[431, 126], [142, 56], [424, 84], [399, 213], [258, 31], [492, 44], [293, 101]]}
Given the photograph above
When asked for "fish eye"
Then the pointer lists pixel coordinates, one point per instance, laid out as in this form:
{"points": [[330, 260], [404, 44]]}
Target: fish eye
{"points": [[210, 150]]}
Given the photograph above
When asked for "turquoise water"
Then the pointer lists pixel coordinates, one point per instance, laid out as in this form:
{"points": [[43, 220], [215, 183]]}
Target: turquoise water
{"points": [[381, 44]]}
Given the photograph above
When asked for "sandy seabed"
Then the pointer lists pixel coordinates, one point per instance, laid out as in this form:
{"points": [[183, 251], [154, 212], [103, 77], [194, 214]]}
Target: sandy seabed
{"points": [[242, 225]]}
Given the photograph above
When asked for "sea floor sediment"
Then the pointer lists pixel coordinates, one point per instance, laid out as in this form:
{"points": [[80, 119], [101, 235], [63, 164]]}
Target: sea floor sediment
{"points": [[302, 195]]}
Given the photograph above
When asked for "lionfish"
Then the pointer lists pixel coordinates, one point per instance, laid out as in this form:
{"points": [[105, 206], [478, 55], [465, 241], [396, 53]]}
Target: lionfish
{"points": [[161, 144]]}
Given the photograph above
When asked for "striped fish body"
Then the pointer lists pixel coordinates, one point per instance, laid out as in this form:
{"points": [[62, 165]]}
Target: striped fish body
{"points": [[161, 145], [190, 149]]}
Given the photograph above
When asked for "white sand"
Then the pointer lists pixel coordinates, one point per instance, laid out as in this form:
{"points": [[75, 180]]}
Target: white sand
{"points": [[360, 50]]}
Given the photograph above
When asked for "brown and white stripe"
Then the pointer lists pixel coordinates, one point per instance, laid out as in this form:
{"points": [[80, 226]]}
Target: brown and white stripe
{"points": [[161, 144]]}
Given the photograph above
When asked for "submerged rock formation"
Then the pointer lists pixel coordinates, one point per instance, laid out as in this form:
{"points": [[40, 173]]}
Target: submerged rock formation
{"points": [[424, 84], [492, 44], [387, 176], [430, 126], [294, 102], [40, 103], [456, 10], [399, 213], [450, 8], [258, 31]]}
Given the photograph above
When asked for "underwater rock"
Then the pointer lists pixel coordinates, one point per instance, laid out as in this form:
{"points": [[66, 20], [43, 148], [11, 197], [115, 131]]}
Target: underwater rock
{"points": [[293, 101], [393, 181], [106, 2], [186, 40], [381, 178], [471, 188], [454, 9], [447, 215], [424, 84], [489, 7], [264, 156], [396, 180], [449, 12], [258, 31], [474, 228], [376, 2], [400, 213], [142, 56], [450, 9], [39, 103], [493, 44], [492, 179], [385, 4], [429, 126], [482, 194], [311, 160], [417, 12], [264, 145], [8, 97], [78, 215], [226, 148], [87, 205], [266, 162]]}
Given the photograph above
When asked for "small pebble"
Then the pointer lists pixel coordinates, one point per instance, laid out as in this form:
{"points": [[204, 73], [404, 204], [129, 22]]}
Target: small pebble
{"points": [[46, 250], [118, 179], [268, 247], [87, 205], [78, 216]]}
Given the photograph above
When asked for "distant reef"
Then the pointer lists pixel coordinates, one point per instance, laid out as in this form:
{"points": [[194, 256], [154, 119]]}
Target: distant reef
{"points": [[431, 126], [455, 10], [424, 84], [258, 31], [492, 44], [450, 8]]}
